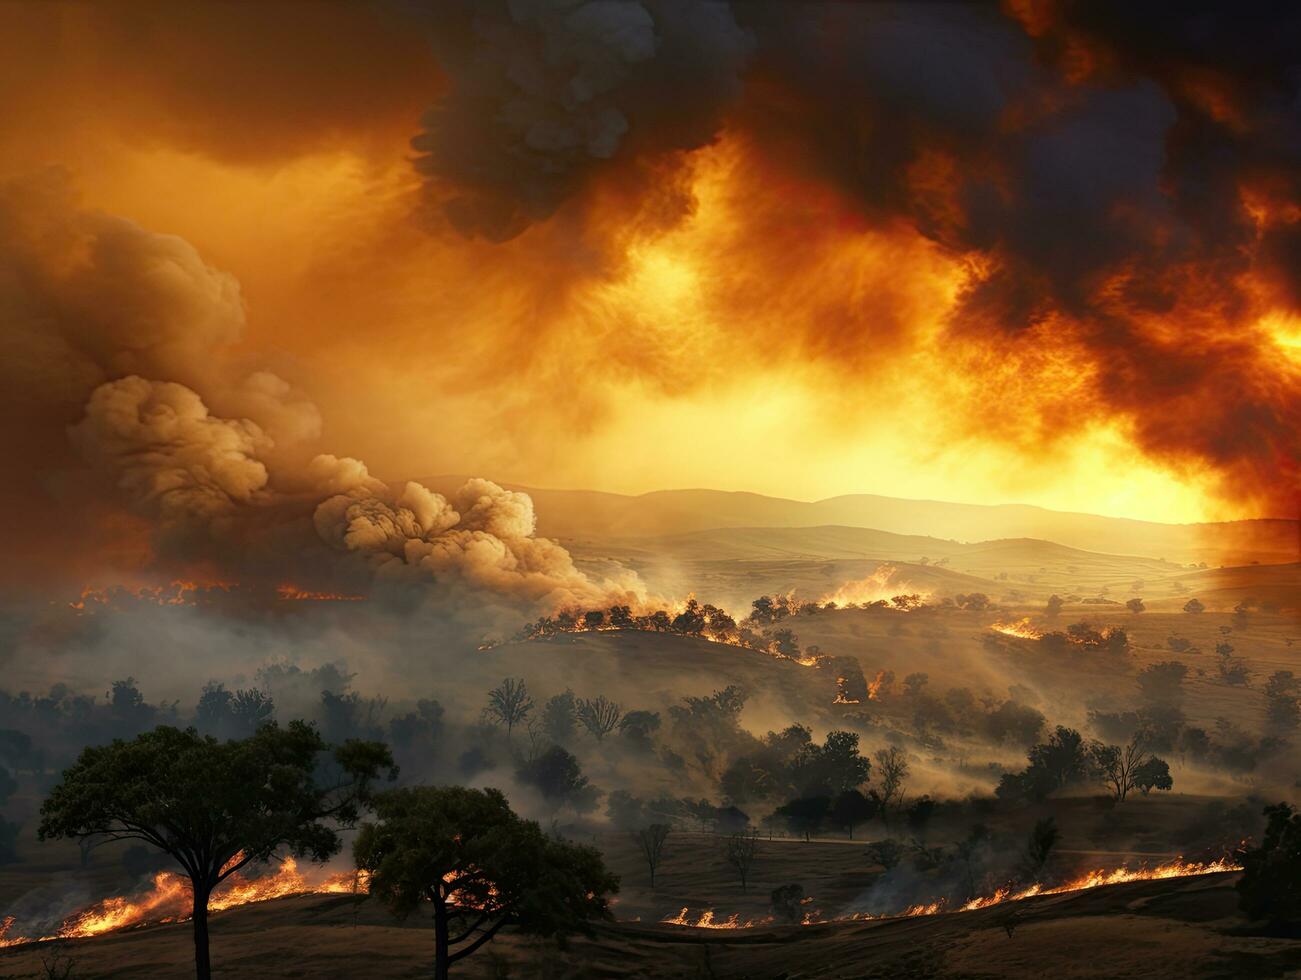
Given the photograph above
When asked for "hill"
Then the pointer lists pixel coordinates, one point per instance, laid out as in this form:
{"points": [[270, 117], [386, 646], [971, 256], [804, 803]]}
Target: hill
{"points": [[586, 515], [1186, 928]]}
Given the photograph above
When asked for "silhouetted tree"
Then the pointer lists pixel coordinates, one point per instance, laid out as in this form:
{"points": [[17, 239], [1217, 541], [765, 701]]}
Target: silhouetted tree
{"points": [[1054, 605], [560, 717], [740, 854], [216, 806], [1039, 847], [1270, 887], [479, 866], [919, 815], [851, 808], [1153, 774], [1162, 683], [1135, 605], [509, 704], [557, 775], [650, 841], [1193, 606], [638, 727], [1120, 766], [805, 816], [892, 765], [598, 715]]}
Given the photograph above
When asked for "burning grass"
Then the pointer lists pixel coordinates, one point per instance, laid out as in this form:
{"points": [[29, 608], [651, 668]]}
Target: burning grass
{"points": [[169, 899], [1090, 879]]}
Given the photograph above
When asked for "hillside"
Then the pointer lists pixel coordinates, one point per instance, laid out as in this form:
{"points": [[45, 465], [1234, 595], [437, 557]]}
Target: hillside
{"points": [[1186, 928], [588, 515]]}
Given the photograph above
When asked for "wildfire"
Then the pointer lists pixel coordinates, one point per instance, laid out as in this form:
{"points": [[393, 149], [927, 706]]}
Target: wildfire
{"points": [[877, 683], [706, 920], [170, 900], [1090, 879], [1020, 628], [878, 588], [840, 692], [179, 592], [295, 594]]}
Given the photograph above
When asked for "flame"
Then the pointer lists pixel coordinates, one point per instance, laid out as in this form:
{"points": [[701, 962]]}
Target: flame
{"points": [[293, 593], [879, 588], [1090, 879], [170, 900], [179, 592], [840, 692], [706, 920], [1021, 628], [875, 685]]}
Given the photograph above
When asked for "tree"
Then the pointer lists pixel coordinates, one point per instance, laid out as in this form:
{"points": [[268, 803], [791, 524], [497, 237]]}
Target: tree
{"points": [[216, 806], [559, 716], [830, 768], [638, 726], [480, 866], [509, 704], [893, 766], [557, 775], [1281, 693], [805, 816], [740, 855], [850, 809], [919, 815], [598, 716], [887, 853], [914, 683], [1135, 605], [650, 840], [1055, 604], [1120, 766], [1193, 606], [1163, 683], [1153, 774], [1039, 847], [1270, 886]]}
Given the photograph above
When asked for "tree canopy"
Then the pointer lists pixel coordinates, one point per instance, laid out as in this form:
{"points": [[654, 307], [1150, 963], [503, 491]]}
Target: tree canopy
{"points": [[479, 866], [217, 806]]}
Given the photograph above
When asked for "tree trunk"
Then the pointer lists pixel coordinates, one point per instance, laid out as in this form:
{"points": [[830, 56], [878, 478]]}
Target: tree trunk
{"points": [[202, 964], [441, 962]]}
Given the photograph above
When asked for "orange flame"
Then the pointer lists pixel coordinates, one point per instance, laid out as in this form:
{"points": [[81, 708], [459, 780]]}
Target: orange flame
{"points": [[1021, 628], [170, 900], [1090, 879]]}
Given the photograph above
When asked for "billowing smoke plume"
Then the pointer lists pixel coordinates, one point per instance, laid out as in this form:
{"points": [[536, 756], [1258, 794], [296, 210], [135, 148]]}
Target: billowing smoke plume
{"points": [[118, 353]]}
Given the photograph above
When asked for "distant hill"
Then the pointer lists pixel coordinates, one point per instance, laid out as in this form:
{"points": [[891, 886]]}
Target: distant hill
{"points": [[596, 516]]}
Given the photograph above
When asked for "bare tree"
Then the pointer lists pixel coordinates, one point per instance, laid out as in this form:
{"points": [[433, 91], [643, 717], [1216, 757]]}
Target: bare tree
{"points": [[651, 841], [509, 704], [892, 764], [741, 851], [1121, 767], [598, 715]]}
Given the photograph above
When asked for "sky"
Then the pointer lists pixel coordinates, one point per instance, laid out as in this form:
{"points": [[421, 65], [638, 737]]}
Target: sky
{"points": [[1037, 252]]}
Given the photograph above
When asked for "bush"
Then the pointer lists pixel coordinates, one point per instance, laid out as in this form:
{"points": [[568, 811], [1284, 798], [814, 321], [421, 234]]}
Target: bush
{"points": [[1270, 887]]}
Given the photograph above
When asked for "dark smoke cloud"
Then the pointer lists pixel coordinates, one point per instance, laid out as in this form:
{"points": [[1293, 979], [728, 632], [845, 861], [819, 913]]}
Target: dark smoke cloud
{"points": [[542, 96], [1094, 159]]}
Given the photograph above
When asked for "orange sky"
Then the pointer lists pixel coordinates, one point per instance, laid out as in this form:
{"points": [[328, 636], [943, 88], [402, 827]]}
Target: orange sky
{"points": [[739, 327]]}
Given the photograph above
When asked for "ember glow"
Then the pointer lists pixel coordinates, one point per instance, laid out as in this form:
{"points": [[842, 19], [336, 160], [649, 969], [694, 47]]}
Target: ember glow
{"points": [[169, 899]]}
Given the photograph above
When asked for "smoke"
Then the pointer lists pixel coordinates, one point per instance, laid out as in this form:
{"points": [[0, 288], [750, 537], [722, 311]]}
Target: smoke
{"points": [[120, 345], [1118, 189], [542, 97]]}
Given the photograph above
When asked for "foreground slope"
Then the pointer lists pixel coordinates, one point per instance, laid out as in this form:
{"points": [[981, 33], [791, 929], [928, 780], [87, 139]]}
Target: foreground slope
{"points": [[1186, 928]]}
